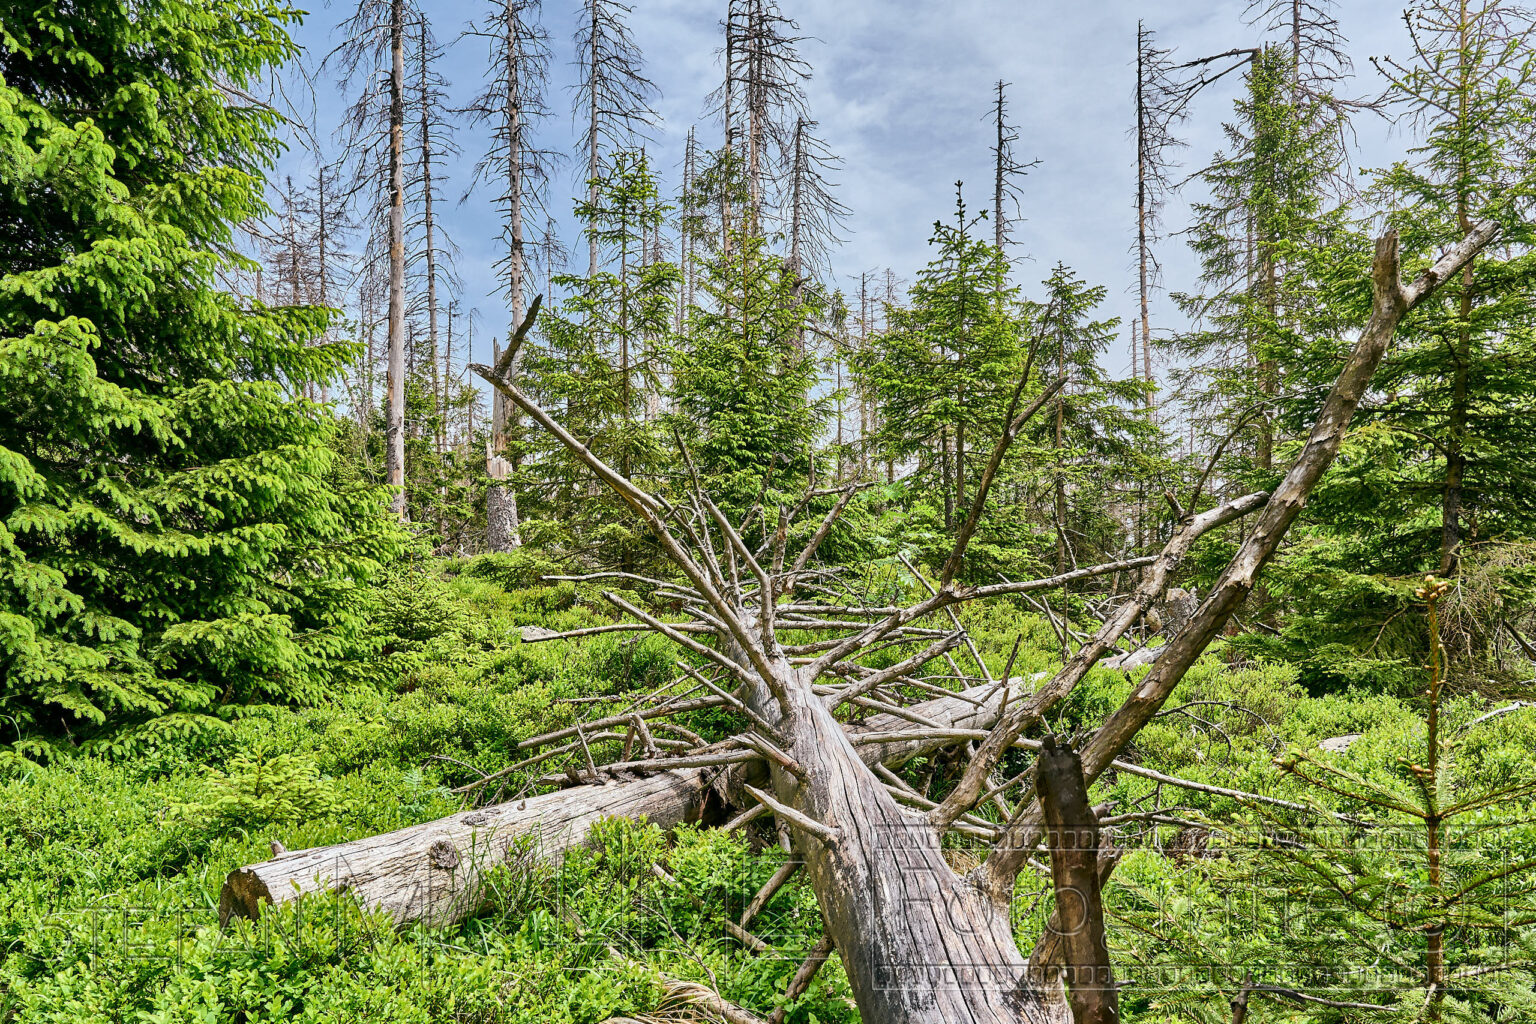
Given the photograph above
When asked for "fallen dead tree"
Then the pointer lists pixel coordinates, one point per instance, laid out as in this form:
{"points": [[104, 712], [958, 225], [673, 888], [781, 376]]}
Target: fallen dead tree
{"points": [[918, 941], [434, 873]]}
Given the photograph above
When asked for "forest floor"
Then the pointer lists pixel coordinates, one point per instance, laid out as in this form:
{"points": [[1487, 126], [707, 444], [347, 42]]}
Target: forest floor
{"points": [[111, 862]]}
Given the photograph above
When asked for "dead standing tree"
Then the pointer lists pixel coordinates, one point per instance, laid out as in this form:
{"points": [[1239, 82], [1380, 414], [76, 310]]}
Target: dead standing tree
{"points": [[764, 70], [435, 142], [394, 389], [613, 101], [816, 215], [1007, 170], [378, 28], [919, 942], [511, 101], [1159, 105]]}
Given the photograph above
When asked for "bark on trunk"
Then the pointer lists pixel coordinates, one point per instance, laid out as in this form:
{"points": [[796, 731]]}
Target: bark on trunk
{"points": [[502, 528], [433, 872], [1074, 848]]}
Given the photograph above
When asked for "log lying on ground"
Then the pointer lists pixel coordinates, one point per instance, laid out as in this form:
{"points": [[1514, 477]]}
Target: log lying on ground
{"points": [[434, 872]]}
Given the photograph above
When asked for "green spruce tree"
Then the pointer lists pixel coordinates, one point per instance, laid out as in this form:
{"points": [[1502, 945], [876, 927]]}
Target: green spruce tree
{"points": [[1259, 312], [603, 351], [945, 366], [743, 388], [1093, 423], [175, 530]]}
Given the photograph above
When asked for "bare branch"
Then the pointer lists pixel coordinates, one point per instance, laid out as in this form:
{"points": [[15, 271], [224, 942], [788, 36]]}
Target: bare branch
{"points": [[954, 620], [804, 975], [649, 509], [968, 791], [753, 716], [803, 822], [1391, 302], [898, 617], [680, 638], [755, 906], [504, 364], [539, 634], [821, 533], [901, 668]]}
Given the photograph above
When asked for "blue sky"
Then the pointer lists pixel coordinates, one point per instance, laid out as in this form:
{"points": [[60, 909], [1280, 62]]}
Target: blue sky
{"points": [[902, 88]]}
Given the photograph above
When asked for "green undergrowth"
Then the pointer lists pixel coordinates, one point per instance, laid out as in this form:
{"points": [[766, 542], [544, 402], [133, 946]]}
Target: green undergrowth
{"points": [[112, 857]]}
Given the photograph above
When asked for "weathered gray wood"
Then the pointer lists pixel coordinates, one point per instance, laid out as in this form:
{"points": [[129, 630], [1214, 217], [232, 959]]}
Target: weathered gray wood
{"points": [[919, 944], [433, 873], [1176, 608]]}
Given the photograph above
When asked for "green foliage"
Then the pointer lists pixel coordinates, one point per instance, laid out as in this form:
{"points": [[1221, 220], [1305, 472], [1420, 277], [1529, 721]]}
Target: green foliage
{"points": [[443, 488], [174, 531], [110, 865], [154, 826], [744, 380], [1461, 385], [208, 642], [513, 570], [1415, 863], [945, 367], [261, 787], [943, 375], [1093, 421]]}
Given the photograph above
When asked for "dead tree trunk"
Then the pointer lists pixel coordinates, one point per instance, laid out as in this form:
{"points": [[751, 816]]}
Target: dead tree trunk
{"points": [[520, 63], [394, 397], [918, 943]]}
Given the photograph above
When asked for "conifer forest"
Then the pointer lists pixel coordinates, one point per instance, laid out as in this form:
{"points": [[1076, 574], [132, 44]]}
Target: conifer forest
{"points": [[767, 511]]}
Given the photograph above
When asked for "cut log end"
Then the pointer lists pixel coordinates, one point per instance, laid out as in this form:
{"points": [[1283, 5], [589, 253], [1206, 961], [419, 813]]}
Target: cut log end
{"points": [[242, 895]]}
